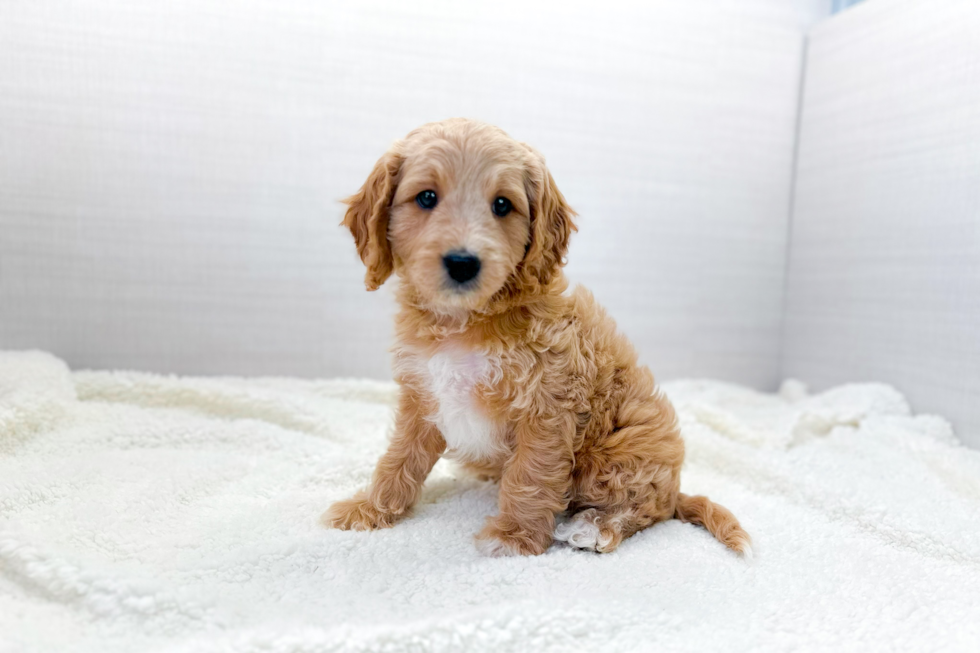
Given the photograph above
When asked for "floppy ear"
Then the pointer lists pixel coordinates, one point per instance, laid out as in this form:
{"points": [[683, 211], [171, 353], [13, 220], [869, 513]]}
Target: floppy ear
{"points": [[551, 222], [367, 219]]}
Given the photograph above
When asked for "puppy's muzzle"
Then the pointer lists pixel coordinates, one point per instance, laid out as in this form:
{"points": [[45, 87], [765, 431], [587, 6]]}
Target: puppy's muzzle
{"points": [[461, 266]]}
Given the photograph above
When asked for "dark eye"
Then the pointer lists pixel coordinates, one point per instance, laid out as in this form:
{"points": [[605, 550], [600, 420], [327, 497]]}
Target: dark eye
{"points": [[501, 207], [427, 199]]}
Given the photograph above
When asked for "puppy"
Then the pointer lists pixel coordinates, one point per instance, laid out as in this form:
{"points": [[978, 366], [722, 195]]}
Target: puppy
{"points": [[499, 368]]}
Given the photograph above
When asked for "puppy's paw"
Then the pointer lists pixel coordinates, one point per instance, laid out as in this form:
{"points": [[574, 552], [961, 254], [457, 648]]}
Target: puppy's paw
{"points": [[495, 542], [584, 531], [357, 513]]}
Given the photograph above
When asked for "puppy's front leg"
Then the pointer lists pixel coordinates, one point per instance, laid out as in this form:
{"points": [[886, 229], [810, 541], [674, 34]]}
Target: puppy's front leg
{"points": [[533, 488], [415, 447]]}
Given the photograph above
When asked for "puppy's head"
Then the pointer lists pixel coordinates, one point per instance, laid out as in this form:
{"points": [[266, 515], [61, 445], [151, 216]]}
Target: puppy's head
{"points": [[462, 212]]}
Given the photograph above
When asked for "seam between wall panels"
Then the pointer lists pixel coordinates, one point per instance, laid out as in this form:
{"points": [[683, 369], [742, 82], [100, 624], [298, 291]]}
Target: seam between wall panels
{"points": [[791, 208]]}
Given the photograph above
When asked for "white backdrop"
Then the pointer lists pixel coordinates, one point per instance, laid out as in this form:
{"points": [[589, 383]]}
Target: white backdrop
{"points": [[884, 277], [170, 172]]}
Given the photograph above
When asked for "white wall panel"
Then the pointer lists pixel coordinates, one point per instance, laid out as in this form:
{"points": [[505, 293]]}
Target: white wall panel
{"points": [[884, 279], [170, 171]]}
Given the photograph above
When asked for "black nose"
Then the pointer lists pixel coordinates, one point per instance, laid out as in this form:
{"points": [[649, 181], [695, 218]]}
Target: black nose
{"points": [[461, 267]]}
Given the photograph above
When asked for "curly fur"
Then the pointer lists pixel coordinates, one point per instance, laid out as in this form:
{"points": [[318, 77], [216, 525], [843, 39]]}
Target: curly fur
{"points": [[577, 424]]}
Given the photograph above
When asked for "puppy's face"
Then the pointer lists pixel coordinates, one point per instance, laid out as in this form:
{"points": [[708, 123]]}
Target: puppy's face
{"points": [[460, 218], [459, 209]]}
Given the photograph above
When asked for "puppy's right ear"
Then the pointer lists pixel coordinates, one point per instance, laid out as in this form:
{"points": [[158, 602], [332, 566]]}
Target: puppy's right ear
{"points": [[367, 219]]}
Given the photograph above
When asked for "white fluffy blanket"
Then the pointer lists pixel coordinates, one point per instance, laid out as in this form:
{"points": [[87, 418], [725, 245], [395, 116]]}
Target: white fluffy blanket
{"points": [[154, 513]]}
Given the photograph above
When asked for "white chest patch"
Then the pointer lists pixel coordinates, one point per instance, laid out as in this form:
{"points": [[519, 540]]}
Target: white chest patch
{"points": [[453, 375]]}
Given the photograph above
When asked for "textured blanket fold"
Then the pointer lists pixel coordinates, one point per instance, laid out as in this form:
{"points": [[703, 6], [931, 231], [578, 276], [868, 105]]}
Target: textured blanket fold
{"points": [[153, 513]]}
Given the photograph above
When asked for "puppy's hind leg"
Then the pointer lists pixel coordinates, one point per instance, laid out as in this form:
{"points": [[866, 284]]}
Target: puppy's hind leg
{"points": [[628, 482]]}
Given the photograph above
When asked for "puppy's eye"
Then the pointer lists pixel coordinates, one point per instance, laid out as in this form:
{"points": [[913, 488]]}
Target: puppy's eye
{"points": [[427, 199], [501, 207]]}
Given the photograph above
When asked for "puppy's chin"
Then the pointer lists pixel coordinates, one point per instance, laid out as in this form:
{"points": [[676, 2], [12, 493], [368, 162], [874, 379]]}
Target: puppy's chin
{"points": [[457, 301], [444, 297]]}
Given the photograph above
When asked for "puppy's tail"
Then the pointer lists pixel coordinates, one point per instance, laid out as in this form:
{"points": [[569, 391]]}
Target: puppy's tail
{"points": [[719, 521]]}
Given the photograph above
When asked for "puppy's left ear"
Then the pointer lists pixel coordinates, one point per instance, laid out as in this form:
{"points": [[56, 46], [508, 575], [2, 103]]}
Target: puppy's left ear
{"points": [[551, 222], [367, 219]]}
